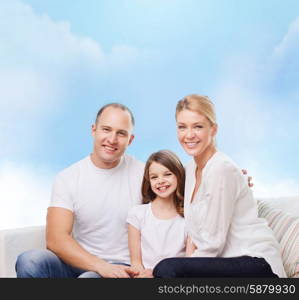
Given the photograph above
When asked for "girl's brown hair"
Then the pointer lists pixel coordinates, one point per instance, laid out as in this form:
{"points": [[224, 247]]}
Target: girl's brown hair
{"points": [[169, 160]]}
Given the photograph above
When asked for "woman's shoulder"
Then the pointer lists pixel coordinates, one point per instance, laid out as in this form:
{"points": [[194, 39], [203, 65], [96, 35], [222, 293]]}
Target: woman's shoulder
{"points": [[190, 166], [222, 164]]}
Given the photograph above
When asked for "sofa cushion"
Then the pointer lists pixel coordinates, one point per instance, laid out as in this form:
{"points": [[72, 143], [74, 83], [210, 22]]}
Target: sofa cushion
{"points": [[286, 230]]}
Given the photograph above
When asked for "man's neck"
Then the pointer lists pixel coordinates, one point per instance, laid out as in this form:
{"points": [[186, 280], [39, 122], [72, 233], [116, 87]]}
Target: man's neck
{"points": [[103, 164]]}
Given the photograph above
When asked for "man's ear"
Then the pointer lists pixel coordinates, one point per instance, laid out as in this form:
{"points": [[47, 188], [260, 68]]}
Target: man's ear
{"points": [[131, 139], [93, 129]]}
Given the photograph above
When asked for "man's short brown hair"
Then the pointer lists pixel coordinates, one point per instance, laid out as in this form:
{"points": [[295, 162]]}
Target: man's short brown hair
{"points": [[115, 105]]}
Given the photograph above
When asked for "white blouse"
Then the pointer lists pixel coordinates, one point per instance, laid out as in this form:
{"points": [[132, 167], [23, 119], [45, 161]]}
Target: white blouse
{"points": [[222, 220], [160, 238]]}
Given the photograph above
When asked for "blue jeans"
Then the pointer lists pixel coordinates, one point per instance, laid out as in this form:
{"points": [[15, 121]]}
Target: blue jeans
{"points": [[45, 264]]}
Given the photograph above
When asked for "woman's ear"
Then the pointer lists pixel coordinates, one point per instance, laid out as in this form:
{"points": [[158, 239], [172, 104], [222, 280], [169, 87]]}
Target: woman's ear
{"points": [[214, 129]]}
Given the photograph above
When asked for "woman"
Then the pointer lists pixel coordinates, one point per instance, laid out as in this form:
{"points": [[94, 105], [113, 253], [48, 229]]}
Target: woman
{"points": [[227, 239]]}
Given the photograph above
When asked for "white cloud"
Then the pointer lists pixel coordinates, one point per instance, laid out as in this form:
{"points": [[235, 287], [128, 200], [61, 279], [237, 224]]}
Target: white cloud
{"points": [[288, 42], [274, 189], [25, 195], [253, 121], [43, 64]]}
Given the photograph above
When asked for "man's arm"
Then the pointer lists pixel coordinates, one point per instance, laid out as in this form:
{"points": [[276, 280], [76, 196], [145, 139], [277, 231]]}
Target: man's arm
{"points": [[60, 241]]}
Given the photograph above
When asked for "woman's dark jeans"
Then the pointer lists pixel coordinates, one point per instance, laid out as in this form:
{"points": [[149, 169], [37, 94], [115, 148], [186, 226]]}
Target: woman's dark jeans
{"points": [[242, 266]]}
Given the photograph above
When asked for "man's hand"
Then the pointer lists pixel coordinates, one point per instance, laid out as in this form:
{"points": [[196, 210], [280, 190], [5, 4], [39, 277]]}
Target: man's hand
{"points": [[249, 178], [107, 270]]}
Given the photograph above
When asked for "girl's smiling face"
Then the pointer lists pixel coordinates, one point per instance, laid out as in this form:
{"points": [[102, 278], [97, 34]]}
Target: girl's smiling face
{"points": [[163, 181]]}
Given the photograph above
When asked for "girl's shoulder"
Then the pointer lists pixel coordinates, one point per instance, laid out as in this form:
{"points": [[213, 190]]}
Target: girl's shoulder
{"points": [[139, 209]]}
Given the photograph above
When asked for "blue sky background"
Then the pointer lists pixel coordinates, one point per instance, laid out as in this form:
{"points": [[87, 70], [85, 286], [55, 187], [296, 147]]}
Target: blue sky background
{"points": [[60, 61]]}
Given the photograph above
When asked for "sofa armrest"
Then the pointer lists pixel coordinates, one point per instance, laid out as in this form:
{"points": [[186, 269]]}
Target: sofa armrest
{"points": [[15, 241]]}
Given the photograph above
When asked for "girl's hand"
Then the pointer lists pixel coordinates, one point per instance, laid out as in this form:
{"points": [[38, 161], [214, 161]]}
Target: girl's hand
{"points": [[190, 247], [146, 273], [134, 270]]}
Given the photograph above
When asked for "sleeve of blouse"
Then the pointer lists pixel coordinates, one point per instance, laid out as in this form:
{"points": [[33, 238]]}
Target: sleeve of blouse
{"points": [[212, 215], [134, 216]]}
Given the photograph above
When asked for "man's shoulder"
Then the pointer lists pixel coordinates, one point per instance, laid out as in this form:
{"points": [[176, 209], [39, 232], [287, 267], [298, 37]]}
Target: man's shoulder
{"points": [[73, 169], [134, 163]]}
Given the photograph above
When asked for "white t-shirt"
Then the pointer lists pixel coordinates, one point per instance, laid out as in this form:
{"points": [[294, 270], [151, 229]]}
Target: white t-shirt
{"points": [[160, 238], [100, 200], [222, 219]]}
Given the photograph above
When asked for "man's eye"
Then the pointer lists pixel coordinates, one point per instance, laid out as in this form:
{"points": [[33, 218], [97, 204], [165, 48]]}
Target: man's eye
{"points": [[105, 129]]}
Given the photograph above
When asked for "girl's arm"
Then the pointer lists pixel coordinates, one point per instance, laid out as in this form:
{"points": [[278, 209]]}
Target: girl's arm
{"points": [[190, 247], [135, 249]]}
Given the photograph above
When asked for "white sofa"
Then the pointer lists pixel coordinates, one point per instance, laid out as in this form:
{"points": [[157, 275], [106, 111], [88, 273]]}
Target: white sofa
{"points": [[281, 213], [15, 241]]}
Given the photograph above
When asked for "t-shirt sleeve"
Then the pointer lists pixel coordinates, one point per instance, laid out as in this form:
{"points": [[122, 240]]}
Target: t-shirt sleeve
{"points": [[134, 216], [212, 215], [61, 193]]}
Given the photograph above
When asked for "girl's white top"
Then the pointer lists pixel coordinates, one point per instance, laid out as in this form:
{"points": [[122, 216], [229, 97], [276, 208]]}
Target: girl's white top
{"points": [[222, 220], [160, 238]]}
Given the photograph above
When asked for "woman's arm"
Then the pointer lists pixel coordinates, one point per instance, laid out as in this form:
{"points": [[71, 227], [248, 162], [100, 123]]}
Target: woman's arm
{"points": [[134, 238], [212, 215]]}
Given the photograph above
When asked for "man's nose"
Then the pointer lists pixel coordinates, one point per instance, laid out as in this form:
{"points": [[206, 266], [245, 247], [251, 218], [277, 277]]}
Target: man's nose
{"points": [[112, 138]]}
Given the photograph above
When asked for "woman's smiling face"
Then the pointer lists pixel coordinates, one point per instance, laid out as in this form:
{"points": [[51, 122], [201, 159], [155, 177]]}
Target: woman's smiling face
{"points": [[195, 132]]}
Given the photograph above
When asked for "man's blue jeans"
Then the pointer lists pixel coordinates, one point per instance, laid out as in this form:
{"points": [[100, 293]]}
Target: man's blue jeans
{"points": [[45, 264]]}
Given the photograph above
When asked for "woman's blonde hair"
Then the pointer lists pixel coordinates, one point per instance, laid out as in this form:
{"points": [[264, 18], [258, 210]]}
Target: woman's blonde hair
{"points": [[198, 103]]}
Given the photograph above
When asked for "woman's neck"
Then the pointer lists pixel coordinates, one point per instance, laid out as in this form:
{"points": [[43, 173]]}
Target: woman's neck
{"points": [[202, 159]]}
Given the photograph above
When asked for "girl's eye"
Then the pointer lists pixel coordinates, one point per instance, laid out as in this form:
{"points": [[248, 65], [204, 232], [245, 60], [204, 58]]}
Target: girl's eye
{"points": [[168, 174], [181, 127], [154, 177], [198, 126]]}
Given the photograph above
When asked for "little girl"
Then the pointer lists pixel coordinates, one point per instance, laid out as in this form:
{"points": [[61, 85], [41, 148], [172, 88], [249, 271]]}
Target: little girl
{"points": [[156, 228]]}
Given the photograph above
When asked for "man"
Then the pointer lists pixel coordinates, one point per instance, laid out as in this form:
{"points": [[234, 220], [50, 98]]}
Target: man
{"points": [[86, 230]]}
